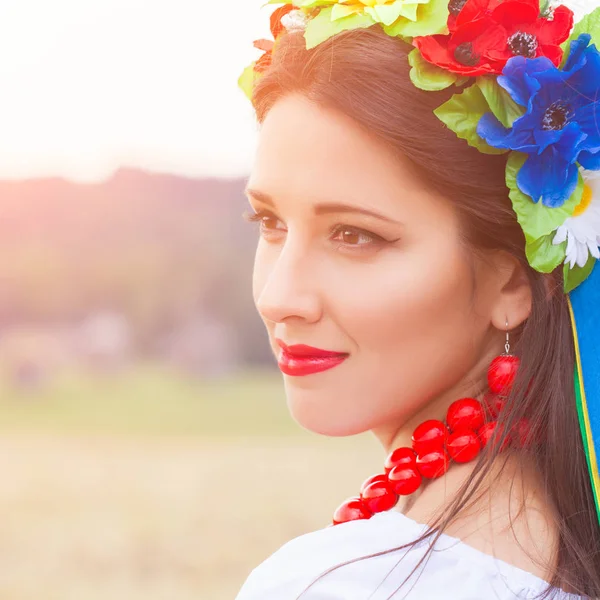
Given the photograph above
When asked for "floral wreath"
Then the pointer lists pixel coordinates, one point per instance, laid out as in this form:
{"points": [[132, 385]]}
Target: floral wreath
{"points": [[529, 82], [530, 88]]}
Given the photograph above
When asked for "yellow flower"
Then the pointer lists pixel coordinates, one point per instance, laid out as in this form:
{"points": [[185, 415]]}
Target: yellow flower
{"points": [[402, 18], [386, 12]]}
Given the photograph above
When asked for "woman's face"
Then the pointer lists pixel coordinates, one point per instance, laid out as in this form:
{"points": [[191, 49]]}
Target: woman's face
{"points": [[355, 256]]}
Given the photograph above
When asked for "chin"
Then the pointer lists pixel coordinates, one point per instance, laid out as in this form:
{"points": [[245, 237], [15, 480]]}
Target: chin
{"points": [[314, 413]]}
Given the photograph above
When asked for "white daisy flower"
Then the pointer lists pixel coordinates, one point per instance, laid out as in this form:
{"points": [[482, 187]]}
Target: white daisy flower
{"points": [[295, 20], [582, 230]]}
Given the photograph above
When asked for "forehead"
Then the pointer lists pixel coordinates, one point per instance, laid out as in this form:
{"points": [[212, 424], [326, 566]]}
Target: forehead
{"points": [[310, 152], [303, 144]]}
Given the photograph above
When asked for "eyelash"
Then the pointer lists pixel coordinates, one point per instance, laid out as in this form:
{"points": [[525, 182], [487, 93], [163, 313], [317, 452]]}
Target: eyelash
{"points": [[260, 217]]}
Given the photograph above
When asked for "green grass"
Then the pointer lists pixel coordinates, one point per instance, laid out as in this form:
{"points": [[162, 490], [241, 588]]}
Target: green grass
{"points": [[151, 400]]}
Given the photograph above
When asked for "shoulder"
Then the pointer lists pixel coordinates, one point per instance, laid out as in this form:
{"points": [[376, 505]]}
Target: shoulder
{"points": [[511, 519], [369, 559]]}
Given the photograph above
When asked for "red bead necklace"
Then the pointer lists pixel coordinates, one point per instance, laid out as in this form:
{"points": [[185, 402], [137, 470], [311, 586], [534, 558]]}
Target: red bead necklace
{"points": [[435, 443]]}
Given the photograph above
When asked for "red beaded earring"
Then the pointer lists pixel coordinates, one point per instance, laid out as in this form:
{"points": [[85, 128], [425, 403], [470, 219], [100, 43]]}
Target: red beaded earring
{"points": [[503, 370]]}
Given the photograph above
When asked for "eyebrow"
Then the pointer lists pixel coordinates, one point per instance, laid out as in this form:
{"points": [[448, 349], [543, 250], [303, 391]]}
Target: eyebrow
{"points": [[324, 208]]}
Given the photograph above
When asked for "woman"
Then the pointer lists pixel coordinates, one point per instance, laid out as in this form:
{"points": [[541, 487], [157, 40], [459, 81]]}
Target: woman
{"points": [[427, 185]]}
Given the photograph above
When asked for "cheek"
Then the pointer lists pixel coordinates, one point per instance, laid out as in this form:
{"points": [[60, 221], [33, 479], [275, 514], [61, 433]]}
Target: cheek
{"points": [[416, 332]]}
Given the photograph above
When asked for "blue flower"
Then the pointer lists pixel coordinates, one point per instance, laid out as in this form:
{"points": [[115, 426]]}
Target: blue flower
{"points": [[561, 125]]}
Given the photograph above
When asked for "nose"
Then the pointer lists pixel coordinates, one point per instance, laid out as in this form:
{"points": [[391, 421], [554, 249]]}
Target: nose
{"points": [[288, 286]]}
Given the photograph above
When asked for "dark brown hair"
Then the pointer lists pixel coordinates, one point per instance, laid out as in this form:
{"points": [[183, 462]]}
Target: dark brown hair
{"points": [[364, 74]]}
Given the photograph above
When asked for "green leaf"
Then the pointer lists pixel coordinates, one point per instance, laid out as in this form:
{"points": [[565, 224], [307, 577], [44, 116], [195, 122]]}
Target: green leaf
{"points": [[321, 27], [388, 14], [504, 108], [543, 255], [246, 80], [536, 219], [573, 277], [589, 24], [341, 11], [432, 18], [462, 113], [426, 76]]}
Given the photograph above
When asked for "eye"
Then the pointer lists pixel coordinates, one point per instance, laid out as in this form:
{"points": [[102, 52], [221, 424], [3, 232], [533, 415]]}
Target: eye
{"points": [[267, 221], [352, 236]]}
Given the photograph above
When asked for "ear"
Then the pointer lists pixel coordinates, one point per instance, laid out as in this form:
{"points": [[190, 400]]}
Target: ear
{"points": [[513, 293]]}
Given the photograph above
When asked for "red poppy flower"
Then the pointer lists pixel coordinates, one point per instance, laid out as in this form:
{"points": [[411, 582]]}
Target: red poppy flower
{"points": [[276, 30], [462, 13], [485, 34]]}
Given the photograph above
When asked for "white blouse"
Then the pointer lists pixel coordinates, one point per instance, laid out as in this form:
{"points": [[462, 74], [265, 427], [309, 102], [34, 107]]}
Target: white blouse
{"points": [[454, 571]]}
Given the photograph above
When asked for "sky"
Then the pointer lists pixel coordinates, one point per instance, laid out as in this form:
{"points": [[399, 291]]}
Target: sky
{"points": [[89, 86]]}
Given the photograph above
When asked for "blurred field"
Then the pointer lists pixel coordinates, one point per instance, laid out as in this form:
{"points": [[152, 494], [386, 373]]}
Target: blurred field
{"points": [[150, 400], [148, 485]]}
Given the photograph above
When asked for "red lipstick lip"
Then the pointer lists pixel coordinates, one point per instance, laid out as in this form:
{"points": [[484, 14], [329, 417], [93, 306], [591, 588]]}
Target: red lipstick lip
{"points": [[302, 351], [298, 360]]}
